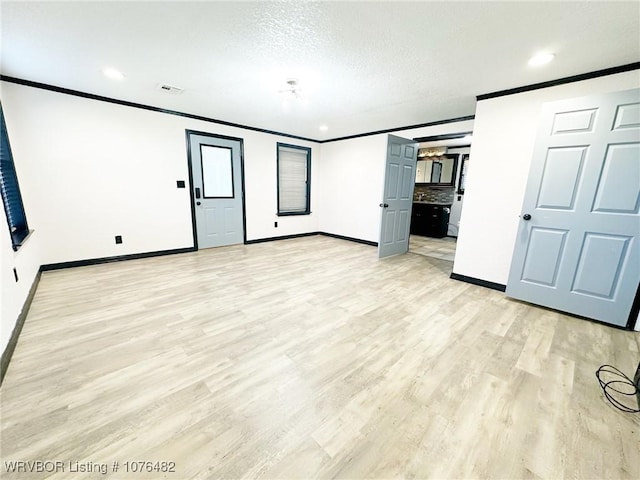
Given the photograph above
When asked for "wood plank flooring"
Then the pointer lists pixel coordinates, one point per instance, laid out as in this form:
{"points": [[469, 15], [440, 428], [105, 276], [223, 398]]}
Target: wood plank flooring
{"points": [[309, 358], [442, 248]]}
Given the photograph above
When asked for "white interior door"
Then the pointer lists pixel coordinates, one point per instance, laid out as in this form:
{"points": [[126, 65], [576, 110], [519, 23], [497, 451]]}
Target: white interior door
{"points": [[577, 246], [400, 175], [217, 190]]}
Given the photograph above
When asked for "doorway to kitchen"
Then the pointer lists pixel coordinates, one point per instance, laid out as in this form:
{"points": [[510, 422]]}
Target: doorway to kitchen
{"points": [[438, 194]]}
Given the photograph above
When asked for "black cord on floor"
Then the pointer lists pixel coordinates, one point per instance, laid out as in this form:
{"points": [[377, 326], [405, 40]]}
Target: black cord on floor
{"points": [[612, 387]]}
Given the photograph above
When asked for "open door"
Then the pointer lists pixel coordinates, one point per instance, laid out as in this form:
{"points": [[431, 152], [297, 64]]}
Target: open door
{"points": [[577, 247], [399, 180]]}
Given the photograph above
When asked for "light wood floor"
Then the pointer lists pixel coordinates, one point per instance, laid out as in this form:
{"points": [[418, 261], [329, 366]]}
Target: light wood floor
{"points": [[309, 358], [442, 248]]}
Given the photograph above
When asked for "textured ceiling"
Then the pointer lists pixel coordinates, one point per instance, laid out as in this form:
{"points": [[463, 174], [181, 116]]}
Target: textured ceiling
{"points": [[362, 66]]}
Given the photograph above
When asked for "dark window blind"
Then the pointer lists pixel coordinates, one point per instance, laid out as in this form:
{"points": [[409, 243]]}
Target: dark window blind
{"points": [[294, 165], [10, 189]]}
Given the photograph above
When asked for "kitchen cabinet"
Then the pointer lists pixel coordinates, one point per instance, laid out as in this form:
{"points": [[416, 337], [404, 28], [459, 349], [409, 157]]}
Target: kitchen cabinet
{"points": [[430, 219]]}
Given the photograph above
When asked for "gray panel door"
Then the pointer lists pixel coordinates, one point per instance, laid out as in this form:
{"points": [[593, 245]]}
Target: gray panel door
{"points": [[398, 196], [217, 186], [577, 246]]}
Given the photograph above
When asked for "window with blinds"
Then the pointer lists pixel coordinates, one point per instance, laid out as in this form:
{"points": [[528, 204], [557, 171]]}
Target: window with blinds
{"points": [[294, 180], [10, 190]]}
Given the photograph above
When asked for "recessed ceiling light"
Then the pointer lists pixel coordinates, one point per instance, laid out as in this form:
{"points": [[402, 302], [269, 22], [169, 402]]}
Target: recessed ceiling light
{"points": [[113, 74], [323, 128], [541, 59]]}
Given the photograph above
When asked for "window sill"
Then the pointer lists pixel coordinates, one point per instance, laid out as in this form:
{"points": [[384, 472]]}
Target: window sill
{"points": [[18, 241], [290, 214]]}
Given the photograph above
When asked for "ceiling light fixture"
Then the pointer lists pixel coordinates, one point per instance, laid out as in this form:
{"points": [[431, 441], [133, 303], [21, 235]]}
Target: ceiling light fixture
{"points": [[113, 74], [541, 59], [432, 151], [323, 128], [293, 89]]}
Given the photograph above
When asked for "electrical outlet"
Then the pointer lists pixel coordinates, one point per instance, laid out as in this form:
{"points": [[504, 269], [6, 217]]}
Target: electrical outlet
{"points": [[275, 224], [118, 239], [15, 274], [180, 183]]}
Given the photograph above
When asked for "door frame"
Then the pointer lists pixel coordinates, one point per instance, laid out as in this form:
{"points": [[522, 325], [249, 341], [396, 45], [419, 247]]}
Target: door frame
{"points": [[634, 313], [459, 162], [194, 227]]}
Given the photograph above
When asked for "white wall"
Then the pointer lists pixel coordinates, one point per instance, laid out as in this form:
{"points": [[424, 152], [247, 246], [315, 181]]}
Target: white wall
{"points": [[91, 170], [503, 137], [352, 174], [13, 294], [261, 187]]}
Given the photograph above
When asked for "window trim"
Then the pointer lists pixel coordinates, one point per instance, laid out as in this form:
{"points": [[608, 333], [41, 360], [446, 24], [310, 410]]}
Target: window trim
{"points": [[307, 210], [18, 232]]}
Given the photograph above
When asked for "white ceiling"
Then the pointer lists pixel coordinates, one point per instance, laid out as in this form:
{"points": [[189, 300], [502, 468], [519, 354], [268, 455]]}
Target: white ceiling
{"points": [[362, 66]]}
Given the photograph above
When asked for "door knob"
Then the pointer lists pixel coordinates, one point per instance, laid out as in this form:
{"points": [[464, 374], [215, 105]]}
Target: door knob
{"points": [[198, 203], [526, 216], [384, 205]]}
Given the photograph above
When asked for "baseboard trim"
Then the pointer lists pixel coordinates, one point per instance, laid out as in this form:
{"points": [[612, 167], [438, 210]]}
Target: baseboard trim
{"points": [[119, 258], [350, 239], [310, 234], [282, 237], [136, 256], [13, 341], [8, 351], [630, 326], [479, 282]]}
